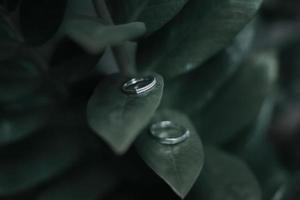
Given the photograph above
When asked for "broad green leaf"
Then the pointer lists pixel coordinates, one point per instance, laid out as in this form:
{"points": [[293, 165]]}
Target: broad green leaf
{"points": [[154, 13], [117, 117], [225, 177], [200, 30], [18, 78], [45, 155], [40, 19], [238, 102], [209, 79], [93, 35], [180, 164], [256, 128], [260, 155], [90, 181]]}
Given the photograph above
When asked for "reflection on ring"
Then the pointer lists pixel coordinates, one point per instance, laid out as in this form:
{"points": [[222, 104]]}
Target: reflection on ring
{"points": [[168, 132], [138, 86]]}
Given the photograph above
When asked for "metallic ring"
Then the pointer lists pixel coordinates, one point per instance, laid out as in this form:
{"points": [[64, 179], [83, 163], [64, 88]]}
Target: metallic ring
{"points": [[167, 132], [138, 86]]}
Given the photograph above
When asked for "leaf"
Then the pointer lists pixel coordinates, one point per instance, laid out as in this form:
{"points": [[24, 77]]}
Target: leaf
{"points": [[94, 36], [154, 13], [18, 78], [36, 160], [117, 117], [90, 181], [267, 167], [239, 101], [200, 30], [225, 177], [179, 165], [209, 79], [40, 19]]}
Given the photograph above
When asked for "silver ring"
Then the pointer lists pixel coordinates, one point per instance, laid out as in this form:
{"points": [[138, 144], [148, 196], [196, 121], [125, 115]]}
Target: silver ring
{"points": [[167, 132], [139, 86]]}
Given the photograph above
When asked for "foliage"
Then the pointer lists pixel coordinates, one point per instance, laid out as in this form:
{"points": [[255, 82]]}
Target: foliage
{"points": [[69, 131]]}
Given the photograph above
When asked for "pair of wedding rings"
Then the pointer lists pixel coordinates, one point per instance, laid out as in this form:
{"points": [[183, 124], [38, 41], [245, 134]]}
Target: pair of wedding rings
{"points": [[166, 132]]}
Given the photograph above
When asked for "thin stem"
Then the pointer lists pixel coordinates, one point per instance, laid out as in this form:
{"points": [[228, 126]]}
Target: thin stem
{"points": [[120, 52], [102, 10]]}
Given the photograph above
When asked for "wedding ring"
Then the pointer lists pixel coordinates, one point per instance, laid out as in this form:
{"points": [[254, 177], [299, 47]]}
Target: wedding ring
{"points": [[168, 132], [138, 86]]}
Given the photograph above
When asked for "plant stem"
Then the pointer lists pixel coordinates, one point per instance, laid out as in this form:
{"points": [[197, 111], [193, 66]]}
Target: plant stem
{"points": [[120, 52]]}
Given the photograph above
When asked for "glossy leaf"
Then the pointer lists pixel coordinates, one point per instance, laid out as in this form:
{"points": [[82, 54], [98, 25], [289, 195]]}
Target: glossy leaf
{"points": [[210, 78], [266, 166], [117, 117], [93, 35], [180, 164], [44, 156], [40, 19], [154, 13], [200, 30], [90, 181], [225, 177], [238, 102]]}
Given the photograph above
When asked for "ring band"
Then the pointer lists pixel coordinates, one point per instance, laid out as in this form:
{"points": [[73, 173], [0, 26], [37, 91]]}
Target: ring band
{"points": [[160, 131], [139, 86]]}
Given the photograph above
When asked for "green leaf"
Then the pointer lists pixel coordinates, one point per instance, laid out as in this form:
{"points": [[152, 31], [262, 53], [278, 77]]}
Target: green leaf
{"points": [[117, 117], [238, 102], [154, 13], [90, 181], [180, 164], [267, 167], [200, 30], [209, 79], [36, 160], [93, 35], [225, 177], [18, 78], [40, 19]]}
